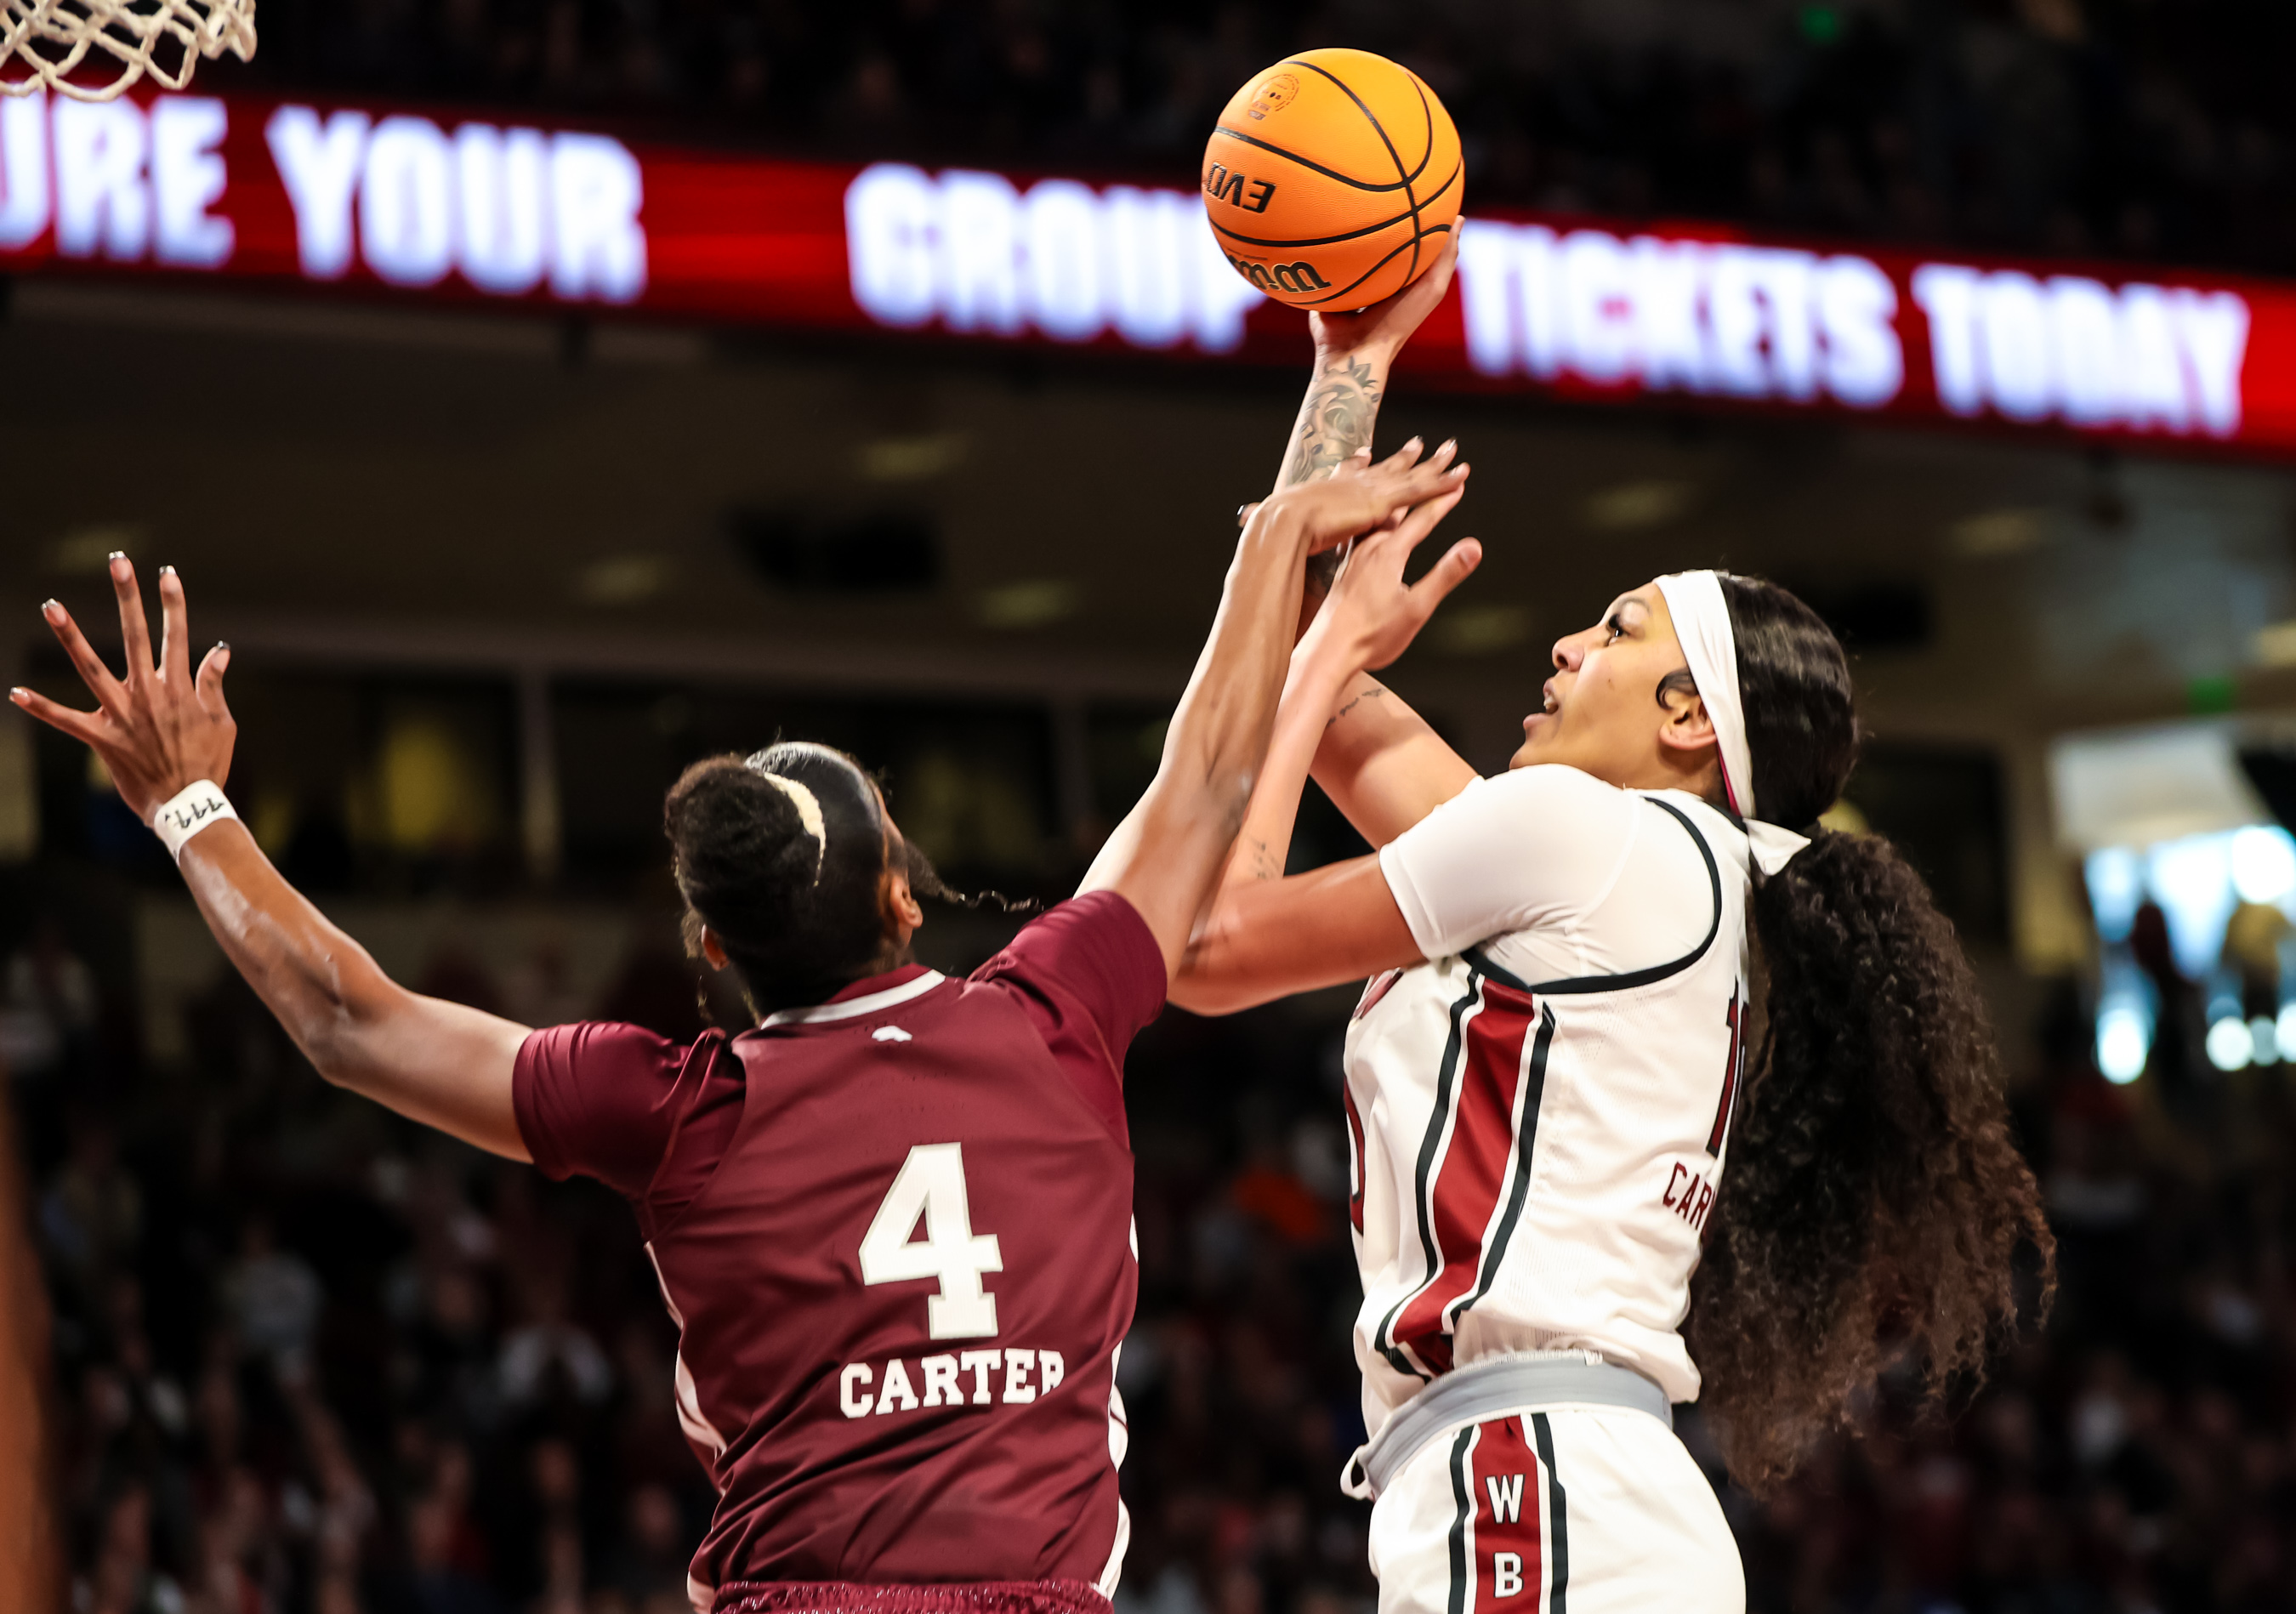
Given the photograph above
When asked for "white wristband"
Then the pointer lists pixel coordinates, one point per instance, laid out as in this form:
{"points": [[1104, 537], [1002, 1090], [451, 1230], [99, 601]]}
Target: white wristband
{"points": [[189, 811]]}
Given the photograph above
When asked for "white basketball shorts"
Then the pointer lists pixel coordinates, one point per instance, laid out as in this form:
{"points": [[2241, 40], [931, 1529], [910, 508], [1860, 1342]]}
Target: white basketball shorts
{"points": [[1567, 1510]]}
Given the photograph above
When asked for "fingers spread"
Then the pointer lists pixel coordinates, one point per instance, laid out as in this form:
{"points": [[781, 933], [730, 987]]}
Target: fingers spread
{"points": [[1400, 489], [84, 726], [135, 631], [1428, 481], [174, 628], [100, 684]]}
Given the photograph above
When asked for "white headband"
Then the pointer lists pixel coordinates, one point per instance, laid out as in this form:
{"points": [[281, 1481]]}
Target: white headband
{"points": [[1701, 621], [807, 804]]}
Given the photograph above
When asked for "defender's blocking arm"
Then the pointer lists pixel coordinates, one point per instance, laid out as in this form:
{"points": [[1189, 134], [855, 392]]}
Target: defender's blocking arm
{"points": [[160, 730], [1166, 855]]}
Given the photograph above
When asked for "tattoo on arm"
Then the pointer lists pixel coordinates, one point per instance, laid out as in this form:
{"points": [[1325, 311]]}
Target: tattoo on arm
{"points": [[1336, 421], [1369, 694], [1265, 864]]}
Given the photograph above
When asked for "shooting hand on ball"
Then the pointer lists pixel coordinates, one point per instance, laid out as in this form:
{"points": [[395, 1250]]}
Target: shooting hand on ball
{"points": [[1386, 325], [159, 728]]}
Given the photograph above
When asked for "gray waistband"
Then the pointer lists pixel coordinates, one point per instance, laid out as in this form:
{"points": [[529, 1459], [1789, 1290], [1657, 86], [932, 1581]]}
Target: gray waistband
{"points": [[1496, 1388]]}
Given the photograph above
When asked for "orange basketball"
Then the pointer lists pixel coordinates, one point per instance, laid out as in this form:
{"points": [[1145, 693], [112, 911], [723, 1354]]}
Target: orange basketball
{"points": [[1332, 179]]}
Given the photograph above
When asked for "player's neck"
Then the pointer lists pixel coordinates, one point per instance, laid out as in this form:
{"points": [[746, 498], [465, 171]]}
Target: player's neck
{"points": [[894, 954]]}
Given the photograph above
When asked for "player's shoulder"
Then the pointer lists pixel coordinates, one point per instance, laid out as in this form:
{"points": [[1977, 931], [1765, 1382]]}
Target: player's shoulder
{"points": [[1704, 820], [1099, 928], [1561, 779], [594, 1042], [1541, 793]]}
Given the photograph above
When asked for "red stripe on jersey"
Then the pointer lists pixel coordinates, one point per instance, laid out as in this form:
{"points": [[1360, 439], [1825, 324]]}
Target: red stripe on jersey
{"points": [[1473, 1172], [1509, 1571]]}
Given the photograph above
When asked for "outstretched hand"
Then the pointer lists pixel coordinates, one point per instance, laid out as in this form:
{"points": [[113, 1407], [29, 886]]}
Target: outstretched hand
{"points": [[1360, 497], [1387, 325], [160, 728], [1372, 614]]}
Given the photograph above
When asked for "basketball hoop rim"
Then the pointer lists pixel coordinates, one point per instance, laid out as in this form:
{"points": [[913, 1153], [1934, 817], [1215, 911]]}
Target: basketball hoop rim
{"points": [[51, 41]]}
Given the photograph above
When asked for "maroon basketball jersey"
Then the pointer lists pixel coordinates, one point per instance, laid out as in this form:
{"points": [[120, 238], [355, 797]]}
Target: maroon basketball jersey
{"points": [[894, 1231]]}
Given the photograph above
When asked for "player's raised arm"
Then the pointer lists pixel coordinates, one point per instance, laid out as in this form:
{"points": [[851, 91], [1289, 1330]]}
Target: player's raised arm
{"points": [[1381, 764], [167, 738], [1167, 855], [1265, 936], [1354, 353]]}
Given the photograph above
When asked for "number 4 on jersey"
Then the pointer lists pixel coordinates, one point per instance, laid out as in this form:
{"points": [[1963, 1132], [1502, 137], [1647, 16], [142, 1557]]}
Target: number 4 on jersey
{"points": [[931, 1184]]}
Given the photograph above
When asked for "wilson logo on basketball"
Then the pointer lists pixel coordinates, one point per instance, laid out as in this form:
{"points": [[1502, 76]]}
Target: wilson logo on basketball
{"points": [[1222, 183], [1274, 95], [1280, 277]]}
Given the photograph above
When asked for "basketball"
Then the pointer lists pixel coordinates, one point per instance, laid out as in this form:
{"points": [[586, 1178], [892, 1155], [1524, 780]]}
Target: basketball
{"points": [[1332, 179]]}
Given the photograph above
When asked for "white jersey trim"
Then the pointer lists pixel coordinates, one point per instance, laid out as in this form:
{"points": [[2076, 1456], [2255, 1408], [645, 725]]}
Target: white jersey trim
{"points": [[1630, 979], [891, 998]]}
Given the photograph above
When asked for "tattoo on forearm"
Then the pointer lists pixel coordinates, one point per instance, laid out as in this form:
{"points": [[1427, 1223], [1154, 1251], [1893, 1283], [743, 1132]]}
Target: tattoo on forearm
{"points": [[1369, 694], [1265, 864], [1335, 420]]}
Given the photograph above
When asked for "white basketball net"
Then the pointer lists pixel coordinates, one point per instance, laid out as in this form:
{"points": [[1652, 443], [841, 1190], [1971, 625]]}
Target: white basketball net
{"points": [[44, 42]]}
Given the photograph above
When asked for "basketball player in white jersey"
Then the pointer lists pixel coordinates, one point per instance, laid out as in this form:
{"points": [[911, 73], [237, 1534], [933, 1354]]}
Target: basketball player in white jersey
{"points": [[1548, 1070]]}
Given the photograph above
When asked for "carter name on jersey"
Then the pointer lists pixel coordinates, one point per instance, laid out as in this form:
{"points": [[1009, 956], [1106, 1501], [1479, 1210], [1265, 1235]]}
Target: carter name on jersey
{"points": [[968, 1378]]}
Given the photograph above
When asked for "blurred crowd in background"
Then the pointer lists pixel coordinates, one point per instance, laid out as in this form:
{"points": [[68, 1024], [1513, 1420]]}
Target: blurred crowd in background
{"points": [[2136, 129], [312, 1360]]}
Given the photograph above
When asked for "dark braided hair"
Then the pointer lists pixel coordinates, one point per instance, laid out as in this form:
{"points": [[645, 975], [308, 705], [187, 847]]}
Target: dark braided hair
{"points": [[799, 919], [1875, 1202]]}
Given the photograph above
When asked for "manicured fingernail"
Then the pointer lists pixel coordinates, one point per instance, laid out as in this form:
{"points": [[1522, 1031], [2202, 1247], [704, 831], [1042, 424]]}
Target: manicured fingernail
{"points": [[224, 645], [117, 554], [166, 571], [49, 607], [17, 694]]}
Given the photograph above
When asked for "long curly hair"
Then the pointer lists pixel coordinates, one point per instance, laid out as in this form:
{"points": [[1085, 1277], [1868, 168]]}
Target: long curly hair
{"points": [[1874, 1204]]}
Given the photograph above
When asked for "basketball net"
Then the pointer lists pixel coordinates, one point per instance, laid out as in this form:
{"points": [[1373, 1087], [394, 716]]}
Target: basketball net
{"points": [[44, 43]]}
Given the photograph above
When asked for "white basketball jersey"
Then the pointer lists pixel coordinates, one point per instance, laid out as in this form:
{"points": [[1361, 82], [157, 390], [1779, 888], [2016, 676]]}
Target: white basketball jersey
{"points": [[1538, 1120]]}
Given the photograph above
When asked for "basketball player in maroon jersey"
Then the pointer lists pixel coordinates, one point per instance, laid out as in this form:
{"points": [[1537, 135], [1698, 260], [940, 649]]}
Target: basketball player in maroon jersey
{"points": [[890, 1219]]}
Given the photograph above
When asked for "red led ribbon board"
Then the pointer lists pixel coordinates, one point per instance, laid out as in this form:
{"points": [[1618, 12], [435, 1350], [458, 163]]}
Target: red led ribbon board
{"points": [[405, 203]]}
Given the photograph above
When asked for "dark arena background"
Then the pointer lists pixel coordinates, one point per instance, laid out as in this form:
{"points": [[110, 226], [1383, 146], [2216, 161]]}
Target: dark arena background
{"points": [[542, 394]]}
